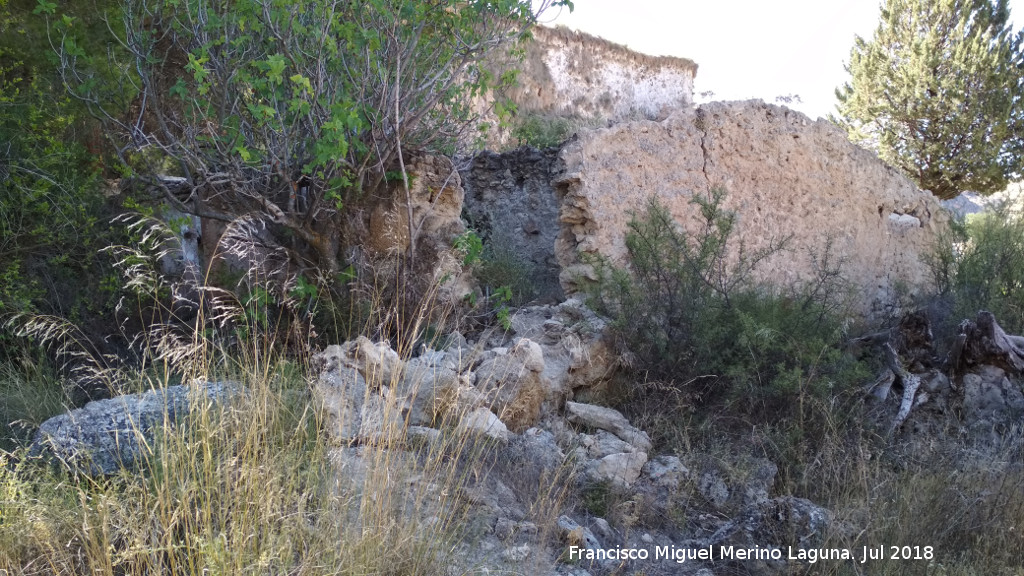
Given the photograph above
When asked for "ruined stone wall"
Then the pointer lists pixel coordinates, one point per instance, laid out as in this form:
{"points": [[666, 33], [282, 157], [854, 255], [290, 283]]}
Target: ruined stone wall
{"points": [[511, 204], [784, 174], [572, 74]]}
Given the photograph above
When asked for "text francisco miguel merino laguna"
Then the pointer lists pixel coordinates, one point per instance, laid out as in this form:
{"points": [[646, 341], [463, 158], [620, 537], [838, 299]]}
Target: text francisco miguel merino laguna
{"points": [[708, 553]]}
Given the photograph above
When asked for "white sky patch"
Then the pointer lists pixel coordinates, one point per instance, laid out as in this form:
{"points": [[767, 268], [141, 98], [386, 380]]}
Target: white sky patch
{"points": [[744, 48]]}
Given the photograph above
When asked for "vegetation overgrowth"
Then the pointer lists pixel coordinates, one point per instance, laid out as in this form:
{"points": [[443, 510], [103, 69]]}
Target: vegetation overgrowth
{"points": [[721, 365], [715, 363]]}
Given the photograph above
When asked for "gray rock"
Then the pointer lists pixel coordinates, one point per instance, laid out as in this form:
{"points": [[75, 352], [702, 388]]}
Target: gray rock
{"points": [[536, 450], [991, 398], [342, 389], [603, 528], [511, 381], [483, 421], [380, 420], [607, 419], [422, 434], [424, 387], [105, 436], [620, 469], [516, 554], [576, 354], [714, 489], [603, 444], [665, 471], [778, 522], [576, 535]]}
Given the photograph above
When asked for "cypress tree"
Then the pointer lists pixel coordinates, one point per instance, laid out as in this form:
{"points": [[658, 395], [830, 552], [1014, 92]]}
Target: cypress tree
{"points": [[937, 92]]}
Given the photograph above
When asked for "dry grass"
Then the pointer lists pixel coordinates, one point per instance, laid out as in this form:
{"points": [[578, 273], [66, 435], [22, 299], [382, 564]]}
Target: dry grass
{"points": [[255, 485], [246, 488]]}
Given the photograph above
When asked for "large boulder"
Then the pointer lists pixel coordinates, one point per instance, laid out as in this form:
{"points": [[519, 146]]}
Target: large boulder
{"points": [[105, 436], [577, 356], [511, 381]]}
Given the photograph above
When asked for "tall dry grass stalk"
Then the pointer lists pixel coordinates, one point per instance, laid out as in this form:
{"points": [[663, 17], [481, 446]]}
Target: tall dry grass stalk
{"points": [[257, 484]]}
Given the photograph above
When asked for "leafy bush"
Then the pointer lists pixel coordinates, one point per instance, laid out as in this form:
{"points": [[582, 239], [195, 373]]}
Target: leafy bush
{"points": [[979, 265], [52, 211], [690, 317], [546, 131], [541, 131]]}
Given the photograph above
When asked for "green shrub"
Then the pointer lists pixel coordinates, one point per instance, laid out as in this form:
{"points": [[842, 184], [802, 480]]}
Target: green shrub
{"points": [[546, 131], [541, 131], [690, 317], [979, 265]]}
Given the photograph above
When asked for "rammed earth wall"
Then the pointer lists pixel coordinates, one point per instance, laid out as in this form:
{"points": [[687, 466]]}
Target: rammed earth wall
{"points": [[784, 174]]}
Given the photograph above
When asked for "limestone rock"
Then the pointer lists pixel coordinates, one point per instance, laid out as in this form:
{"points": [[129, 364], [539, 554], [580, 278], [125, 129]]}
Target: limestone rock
{"points": [[105, 436], [991, 398], [734, 483], [603, 444], [342, 389], [621, 469], [579, 536], [380, 420], [424, 389], [375, 362], [537, 451], [483, 421], [572, 338], [665, 471], [511, 381], [607, 419], [776, 523]]}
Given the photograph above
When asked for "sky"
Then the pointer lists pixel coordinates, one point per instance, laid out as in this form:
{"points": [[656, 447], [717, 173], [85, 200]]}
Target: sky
{"points": [[744, 48]]}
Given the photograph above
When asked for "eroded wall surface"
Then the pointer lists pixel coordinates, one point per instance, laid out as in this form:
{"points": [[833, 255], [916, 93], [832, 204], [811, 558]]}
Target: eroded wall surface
{"points": [[785, 175], [571, 73]]}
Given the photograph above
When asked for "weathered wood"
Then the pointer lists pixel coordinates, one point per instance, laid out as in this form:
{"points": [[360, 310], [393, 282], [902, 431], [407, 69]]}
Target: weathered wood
{"points": [[985, 342], [910, 382], [879, 389], [913, 340]]}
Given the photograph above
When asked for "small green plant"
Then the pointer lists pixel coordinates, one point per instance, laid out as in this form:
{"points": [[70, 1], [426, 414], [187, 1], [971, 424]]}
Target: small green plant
{"points": [[547, 131], [596, 498], [471, 246], [541, 131], [499, 297], [502, 296]]}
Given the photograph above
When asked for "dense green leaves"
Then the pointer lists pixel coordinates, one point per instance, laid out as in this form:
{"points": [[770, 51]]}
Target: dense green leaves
{"points": [[937, 92], [293, 109]]}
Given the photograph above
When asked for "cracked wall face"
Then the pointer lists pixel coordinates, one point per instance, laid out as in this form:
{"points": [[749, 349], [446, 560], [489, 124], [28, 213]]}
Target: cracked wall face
{"points": [[784, 174]]}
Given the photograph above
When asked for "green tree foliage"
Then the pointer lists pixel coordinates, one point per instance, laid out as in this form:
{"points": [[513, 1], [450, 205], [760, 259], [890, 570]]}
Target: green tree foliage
{"points": [[290, 109], [937, 92], [52, 211]]}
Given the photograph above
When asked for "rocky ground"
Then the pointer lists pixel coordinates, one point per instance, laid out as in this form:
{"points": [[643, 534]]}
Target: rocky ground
{"points": [[558, 485]]}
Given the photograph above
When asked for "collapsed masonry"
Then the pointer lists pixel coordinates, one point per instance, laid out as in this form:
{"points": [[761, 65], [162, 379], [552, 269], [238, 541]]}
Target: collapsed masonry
{"points": [[784, 175]]}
